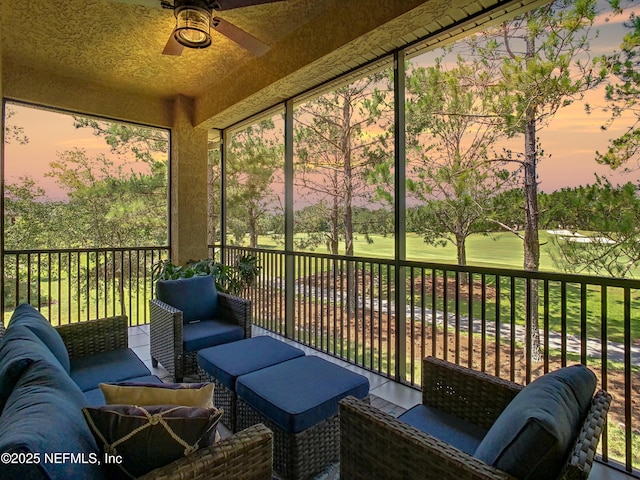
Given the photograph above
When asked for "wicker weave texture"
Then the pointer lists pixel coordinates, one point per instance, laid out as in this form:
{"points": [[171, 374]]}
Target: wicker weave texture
{"points": [[376, 445], [95, 336], [297, 456], [247, 455], [235, 310], [584, 449], [476, 397], [222, 398]]}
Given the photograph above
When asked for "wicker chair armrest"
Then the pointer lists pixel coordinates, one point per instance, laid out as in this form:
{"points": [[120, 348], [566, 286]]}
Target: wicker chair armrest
{"points": [[247, 455], [236, 310], [95, 336], [474, 396], [165, 307], [584, 449], [375, 444], [165, 336]]}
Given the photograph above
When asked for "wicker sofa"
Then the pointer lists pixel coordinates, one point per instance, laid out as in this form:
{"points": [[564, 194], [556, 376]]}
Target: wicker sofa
{"points": [[178, 317], [375, 444], [54, 422]]}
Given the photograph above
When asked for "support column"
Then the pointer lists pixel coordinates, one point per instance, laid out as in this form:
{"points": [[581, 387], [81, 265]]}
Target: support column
{"points": [[400, 217], [290, 280], [188, 173]]}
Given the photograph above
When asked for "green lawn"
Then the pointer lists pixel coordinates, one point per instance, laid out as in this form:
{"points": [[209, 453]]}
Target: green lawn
{"points": [[502, 250]]}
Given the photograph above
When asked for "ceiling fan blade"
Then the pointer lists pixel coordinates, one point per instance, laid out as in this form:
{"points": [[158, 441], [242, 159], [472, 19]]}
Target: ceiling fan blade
{"points": [[242, 38], [221, 5], [173, 47], [144, 3]]}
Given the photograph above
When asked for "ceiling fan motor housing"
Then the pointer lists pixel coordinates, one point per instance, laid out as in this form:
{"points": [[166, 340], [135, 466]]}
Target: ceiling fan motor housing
{"points": [[202, 4], [193, 23]]}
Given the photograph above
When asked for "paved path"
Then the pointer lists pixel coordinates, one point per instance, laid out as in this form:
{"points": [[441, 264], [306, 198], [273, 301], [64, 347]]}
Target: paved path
{"points": [[615, 351]]}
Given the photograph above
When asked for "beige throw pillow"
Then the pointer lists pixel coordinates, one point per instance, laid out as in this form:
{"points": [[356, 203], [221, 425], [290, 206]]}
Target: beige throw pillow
{"points": [[184, 394]]}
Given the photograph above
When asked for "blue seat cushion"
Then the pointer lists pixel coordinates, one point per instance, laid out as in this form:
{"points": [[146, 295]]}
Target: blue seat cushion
{"points": [[532, 437], [207, 333], [31, 318], [227, 362], [112, 366], [19, 348], [458, 433], [299, 393], [196, 297], [95, 398], [44, 415]]}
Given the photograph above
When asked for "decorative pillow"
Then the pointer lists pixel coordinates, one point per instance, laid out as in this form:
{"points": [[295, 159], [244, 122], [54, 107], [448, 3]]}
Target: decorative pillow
{"points": [[149, 437], [196, 297], [183, 394]]}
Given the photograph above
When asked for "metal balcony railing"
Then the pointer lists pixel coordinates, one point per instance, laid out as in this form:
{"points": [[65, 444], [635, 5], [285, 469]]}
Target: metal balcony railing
{"points": [[70, 285], [386, 315]]}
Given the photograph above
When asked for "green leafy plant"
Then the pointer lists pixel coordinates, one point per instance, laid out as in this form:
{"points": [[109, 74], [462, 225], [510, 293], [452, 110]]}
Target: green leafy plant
{"points": [[231, 279]]}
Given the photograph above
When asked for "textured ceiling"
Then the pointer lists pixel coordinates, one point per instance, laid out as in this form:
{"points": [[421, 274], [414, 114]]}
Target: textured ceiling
{"points": [[89, 43], [117, 44]]}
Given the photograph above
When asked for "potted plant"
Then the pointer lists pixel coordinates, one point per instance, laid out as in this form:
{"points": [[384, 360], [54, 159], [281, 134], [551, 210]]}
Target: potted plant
{"points": [[231, 279]]}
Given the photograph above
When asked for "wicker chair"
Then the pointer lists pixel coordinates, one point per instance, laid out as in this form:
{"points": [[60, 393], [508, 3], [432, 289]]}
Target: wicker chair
{"points": [[375, 444], [165, 329]]}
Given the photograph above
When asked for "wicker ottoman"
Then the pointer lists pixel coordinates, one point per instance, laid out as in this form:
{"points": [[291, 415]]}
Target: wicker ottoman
{"points": [[223, 364], [298, 401]]}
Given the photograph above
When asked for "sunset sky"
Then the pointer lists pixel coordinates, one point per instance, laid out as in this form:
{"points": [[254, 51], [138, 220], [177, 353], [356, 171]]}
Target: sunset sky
{"points": [[571, 138]]}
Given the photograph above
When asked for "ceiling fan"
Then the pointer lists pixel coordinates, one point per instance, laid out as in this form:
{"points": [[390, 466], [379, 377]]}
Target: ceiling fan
{"points": [[195, 18]]}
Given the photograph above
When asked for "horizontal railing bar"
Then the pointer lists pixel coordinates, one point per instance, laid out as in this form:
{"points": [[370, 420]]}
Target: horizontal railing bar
{"points": [[550, 276], [82, 250]]}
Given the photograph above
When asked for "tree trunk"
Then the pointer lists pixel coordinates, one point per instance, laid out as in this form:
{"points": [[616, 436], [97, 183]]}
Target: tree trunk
{"points": [[461, 248], [334, 240], [531, 240], [348, 200], [253, 229]]}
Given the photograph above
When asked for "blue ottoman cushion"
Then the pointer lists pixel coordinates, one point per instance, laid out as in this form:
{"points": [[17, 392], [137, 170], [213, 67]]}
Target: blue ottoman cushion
{"points": [[533, 435], [31, 318], [95, 398], [299, 393], [458, 433], [207, 333], [227, 362], [196, 297], [112, 366]]}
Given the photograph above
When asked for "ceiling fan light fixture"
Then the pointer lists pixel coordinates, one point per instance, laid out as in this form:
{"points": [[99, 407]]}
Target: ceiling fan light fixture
{"points": [[193, 26]]}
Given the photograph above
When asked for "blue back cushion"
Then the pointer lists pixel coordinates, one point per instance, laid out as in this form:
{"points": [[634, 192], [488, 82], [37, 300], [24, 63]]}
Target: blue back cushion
{"points": [[31, 318], [532, 437], [44, 415], [20, 347], [196, 296]]}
